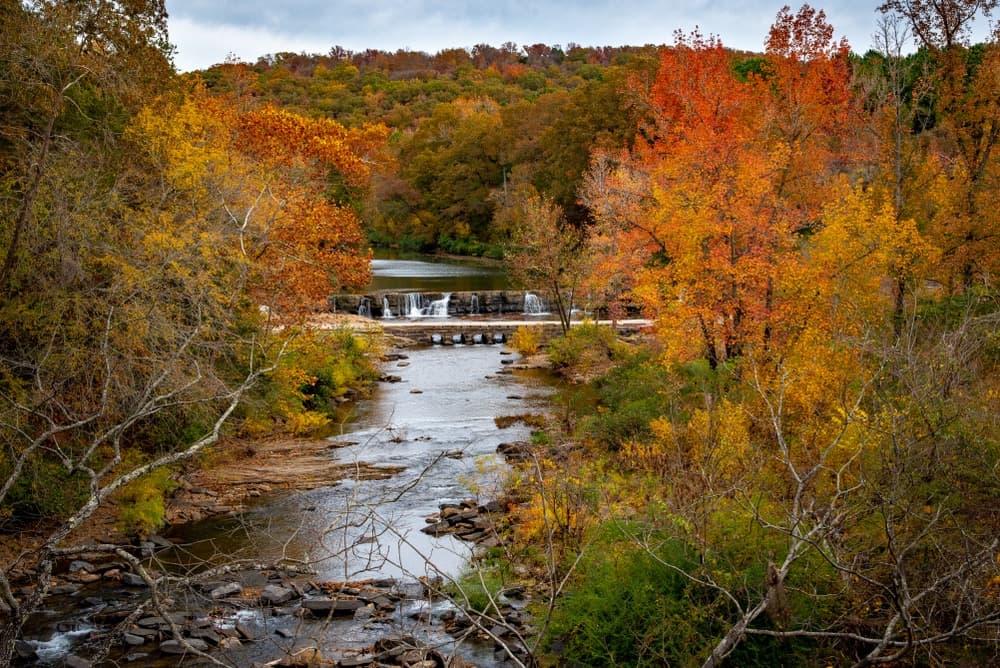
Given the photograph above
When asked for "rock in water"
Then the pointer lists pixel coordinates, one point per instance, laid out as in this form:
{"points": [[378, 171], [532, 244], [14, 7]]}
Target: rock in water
{"points": [[176, 647], [275, 595]]}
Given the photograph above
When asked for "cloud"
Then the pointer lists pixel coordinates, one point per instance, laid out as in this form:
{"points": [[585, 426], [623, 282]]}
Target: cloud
{"points": [[206, 31]]}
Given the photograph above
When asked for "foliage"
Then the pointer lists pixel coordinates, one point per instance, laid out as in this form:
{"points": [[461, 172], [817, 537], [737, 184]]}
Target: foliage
{"points": [[143, 225], [587, 345], [302, 394], [43, 490], [627, 608], [481, 582], [525, 340], [143, 503], [545, 251], [547, 114], [630, 396]]}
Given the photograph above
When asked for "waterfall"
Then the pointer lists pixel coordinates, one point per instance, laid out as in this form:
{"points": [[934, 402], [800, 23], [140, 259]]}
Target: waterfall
{"points": [[386, 311], [533, 304], [413, 305], [439, 307], [365, 307], [474, 305]]}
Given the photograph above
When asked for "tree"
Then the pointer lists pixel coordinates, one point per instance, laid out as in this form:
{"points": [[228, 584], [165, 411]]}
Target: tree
{"points": [[729, 173], [138, 247], [939, 24], [267, 173], [545, 252]]}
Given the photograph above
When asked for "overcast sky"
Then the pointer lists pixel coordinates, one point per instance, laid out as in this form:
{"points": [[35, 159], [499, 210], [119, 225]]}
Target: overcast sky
{"points": [[206, 31]]}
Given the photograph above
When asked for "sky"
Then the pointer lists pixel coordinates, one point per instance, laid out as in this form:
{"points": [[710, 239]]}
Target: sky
{"points": [[206, 32]]}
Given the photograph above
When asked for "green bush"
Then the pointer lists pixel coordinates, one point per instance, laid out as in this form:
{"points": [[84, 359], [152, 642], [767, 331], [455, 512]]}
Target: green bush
{"points": [[143, 503], [43, 490], [480, 583], [627, 609], [630, 396], [582, 346]]}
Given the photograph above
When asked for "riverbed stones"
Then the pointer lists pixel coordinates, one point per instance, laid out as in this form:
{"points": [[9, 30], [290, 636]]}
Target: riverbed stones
{"points": [[133, 580], [133, 639], [64, 589], [226, 590], [304, 658], [324, 607], [25, 650], [177, 647], [466, 520], [276, 595], [208, 635], [79, 566]]}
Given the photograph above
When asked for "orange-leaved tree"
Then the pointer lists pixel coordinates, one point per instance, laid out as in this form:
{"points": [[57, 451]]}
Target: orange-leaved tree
{"points": [[712, 201], [280, 183]]}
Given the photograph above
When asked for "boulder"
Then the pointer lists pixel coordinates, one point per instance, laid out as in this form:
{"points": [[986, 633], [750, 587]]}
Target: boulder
{"points": [[322, 607], [226, 590], [276, 595]]}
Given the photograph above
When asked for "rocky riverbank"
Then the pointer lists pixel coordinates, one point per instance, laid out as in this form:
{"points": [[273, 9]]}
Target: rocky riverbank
{"points": [[277, 613]]}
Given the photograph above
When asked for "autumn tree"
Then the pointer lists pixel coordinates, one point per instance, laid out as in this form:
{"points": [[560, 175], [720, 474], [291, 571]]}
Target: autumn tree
{"points": [[941, 24], [454, 161], [958, 168], [544, 252], [138, 246]]}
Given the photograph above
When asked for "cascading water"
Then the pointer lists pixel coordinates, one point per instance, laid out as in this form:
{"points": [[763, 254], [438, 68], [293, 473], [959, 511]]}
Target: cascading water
{"points": [[413, 308], [365, 308], [439, 307], [474, 305], [386, 311], [533, 304]]}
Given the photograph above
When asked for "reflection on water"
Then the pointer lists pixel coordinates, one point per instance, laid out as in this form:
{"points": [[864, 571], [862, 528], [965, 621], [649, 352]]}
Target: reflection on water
{"points": [[435, 274]]}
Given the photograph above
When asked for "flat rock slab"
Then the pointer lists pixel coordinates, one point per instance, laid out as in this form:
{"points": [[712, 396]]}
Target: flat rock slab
{"points": [[332, 606], [276, 595], [175, 647]]}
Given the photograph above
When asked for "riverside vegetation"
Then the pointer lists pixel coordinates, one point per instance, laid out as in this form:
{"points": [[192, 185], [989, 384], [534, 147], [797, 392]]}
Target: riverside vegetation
{"points": [[798, 465]]}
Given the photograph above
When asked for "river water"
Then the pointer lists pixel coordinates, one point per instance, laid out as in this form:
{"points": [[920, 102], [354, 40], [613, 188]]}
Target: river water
{"points": [[437, 425], [427, 273]]}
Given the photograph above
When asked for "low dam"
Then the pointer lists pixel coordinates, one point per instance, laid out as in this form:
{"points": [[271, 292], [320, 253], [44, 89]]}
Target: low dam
{"points": [[461, 318], [387, 304]]}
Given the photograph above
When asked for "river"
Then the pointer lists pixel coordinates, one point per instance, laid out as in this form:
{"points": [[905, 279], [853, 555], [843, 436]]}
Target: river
{"points": [[437, 425], [428, 273]]}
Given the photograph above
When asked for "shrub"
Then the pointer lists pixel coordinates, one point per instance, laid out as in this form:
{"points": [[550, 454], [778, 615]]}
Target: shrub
{"points": [[585, 345], [627, 609], [143, 503], [480, 583], [44, 489], [302, 394], [630, 396], [525, 340]]}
